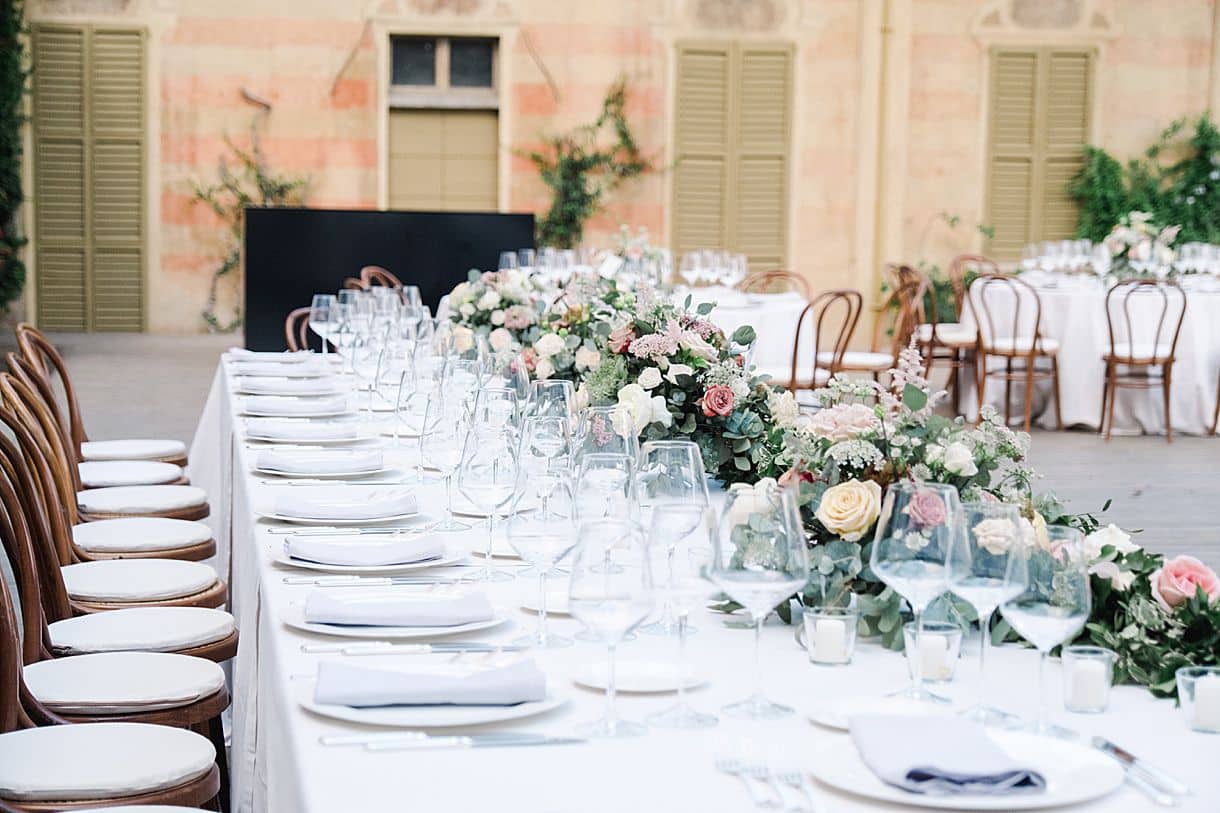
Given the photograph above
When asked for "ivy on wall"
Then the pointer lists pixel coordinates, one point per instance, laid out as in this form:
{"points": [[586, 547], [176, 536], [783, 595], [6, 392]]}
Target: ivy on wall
{"points": [[580, 170], [13, 75], [1177, 179]]}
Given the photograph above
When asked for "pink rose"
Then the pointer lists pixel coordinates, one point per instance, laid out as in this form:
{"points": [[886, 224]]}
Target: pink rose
{"points": [[718, 400], [1177, 580], [843, 422], [530, 357], [518, 317], [926, 509], [795, 475], [620, 339]]}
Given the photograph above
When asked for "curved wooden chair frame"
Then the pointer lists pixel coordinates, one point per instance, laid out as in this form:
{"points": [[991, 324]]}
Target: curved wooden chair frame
{"points": [[956, 355], [296, 329], [354, 284], [843, 305], [372, 275], [766, 282], [1169, 323], [959, 269]]}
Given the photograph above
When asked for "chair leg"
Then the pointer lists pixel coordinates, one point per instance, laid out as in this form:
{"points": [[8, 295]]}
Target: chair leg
{"points": [[980, 380], [1216, 415], [216, 734], [1110, 409], [1105, 396], [1029, 390], [1007, 390], [1166, 379], [1055, 392]]}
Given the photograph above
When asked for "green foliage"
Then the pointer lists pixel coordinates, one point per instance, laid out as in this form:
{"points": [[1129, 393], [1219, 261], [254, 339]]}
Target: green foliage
{"points": [[249, 184], [1177, 179], [581, 170], [13, 75]]}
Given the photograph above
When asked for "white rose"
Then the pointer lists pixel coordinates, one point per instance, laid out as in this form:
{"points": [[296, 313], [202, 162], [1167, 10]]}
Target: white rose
{"points": [[499, 339], [633, 411], [1111, 535], [1120, 580], [960, 461], [784, 408], [463, 338], [587, 359], [660, 413], [460, 291], [676, 370], [750, 499], [850, 508], [544, 369], [695, 344], [935, 453], [466, 310], [995, 535], [650, 378], [497, 317], [582, 396], [490, 300], [549, 344]]}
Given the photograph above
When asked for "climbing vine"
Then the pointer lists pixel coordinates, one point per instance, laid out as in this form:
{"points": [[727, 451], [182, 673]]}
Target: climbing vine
{"points": [[13, 75], [580, 169], [247, 184]]}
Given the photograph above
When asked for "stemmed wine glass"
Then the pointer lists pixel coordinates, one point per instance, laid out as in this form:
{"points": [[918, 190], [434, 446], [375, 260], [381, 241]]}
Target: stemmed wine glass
{"points": [[553, 398], [686, 587], [542, 537], [759, 559], [546, 448], [488, 477], [605, 487], [988, 565], [441, 441], [1055, 604], [610, 592], [323, 317], [597, 435], [913, 536]]}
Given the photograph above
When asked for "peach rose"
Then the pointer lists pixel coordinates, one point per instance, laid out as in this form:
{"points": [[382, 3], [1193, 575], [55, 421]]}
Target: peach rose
{"points": [[718, 400], [1177, 580], [620, 339], [842, 422]]}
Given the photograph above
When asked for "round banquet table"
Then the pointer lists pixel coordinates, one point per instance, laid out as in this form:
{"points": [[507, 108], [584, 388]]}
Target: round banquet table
{"points": [[773, 316], [1074, 313]]}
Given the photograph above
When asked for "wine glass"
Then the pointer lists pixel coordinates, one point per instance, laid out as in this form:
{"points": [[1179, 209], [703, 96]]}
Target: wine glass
{"points": [[759, 559], [610, 592], [604, 487], [686, 562], [527, 259], [323, 317], [495, 408], [542, 537], [553, 398], [597, 435], [1055, 604], [546, 448], [488, 477], [441, 441], [988, 565], [508, 260], [912, 540]]}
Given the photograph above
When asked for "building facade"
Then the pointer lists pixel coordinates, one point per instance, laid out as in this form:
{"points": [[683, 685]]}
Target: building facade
{"points": [[824, 136]]}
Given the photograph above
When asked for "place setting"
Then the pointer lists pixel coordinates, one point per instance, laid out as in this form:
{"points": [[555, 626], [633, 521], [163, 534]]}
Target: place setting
{"points": [[302, 431], [283, 406]]}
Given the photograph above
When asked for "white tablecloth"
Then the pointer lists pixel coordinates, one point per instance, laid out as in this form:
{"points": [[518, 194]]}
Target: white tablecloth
{"points": [[774, 318], [279, 765], [1076, 317]]}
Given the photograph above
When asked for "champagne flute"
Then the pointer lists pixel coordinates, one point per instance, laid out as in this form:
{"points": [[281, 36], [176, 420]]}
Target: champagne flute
{"points": [[323, 317], [759, 559], [441, 440], [488, 478], [604, 487], [686, 562], [610, 592], [987, 565], [542, 537], [1055, 604]]}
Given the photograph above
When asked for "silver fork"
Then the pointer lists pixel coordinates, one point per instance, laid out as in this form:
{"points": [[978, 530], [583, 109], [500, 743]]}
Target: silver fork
{"points": [[735, 767], [763, 774], [796, 779]]}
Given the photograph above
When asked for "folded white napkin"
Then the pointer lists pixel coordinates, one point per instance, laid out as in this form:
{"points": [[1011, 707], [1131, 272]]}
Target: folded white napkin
{"points": [[289, 386], [939, 756], [346, 684], [281, 356], [277, 405], [324, 461], [280, 369], [300, 430], [346, 503], [364, 551], [396, 607]]}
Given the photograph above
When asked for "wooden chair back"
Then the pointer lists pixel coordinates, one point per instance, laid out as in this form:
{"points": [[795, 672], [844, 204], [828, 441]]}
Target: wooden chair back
{"points": [[905, 302], [834, 315], [37, 349], [1005, 307], [354, 284], [1162, 300], [296, 329], [372, 275], [961, 268], [774, 281]]}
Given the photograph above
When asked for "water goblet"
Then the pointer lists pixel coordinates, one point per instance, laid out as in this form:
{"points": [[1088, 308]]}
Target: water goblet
{"points": [[441, 440]]}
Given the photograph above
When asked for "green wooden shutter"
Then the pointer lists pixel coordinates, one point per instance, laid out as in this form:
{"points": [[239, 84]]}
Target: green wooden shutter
{"points": [[1038, 123], [701, 139], [89, 102]]}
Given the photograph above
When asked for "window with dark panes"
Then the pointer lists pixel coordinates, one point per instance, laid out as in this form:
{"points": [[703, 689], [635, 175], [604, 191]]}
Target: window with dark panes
{"points": [[414, 61], [470, 63]]}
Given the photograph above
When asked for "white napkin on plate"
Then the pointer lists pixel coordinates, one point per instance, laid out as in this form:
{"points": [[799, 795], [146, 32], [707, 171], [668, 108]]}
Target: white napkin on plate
{"points": [[939, 756], [346, 502], [396, 607], [365, 551], [300, 430], [347, 684], [280, 356], [280, 369], [277, 405], [323, 461], [289, 386]]}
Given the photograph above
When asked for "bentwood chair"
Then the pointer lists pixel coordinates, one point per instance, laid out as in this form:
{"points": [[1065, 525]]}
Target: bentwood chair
{"points": [[832, 316], [354, 284], [950, 343], [296, 329], [897, 315], [40, 352], [1142, 343], [372, 275], [1008, 315], [774, 281]]}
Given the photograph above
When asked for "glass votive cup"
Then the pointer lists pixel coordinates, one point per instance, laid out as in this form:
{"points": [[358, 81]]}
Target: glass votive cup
{"points": [[1088, 673], [830, 634], [940, 645], [1199, 697]]}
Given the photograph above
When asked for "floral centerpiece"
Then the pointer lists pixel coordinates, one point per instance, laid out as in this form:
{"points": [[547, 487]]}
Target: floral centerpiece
{"points": [[1136, 242], [567, 341], [635, 247], [501, 306]]}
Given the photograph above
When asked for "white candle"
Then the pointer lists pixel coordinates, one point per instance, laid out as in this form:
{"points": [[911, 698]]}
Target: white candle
{"points": [[1088, 688], [830, 640], [1207, 703], [934, 657]]}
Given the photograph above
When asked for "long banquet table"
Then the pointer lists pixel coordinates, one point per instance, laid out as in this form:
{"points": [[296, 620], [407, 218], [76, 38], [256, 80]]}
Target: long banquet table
{"points": [[278, 763]]}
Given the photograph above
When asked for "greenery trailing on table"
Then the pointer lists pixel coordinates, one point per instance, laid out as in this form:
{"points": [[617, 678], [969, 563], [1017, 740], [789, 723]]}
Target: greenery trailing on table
{"points": [[13, 76], [580, 169]]}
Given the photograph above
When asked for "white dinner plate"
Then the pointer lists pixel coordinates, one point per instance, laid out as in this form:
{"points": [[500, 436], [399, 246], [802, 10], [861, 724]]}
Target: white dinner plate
{"points": [[450, 557], [322, 413], [1074, 774], [397, 518], [288, 387], [432, 716], [277, 370], [360, 438], [556, 603], [635, 677], [835, 712], [340, 475], [294, 617]]}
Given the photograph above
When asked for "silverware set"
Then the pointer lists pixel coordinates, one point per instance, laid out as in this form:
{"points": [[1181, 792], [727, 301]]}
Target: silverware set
{"points": [[774, 789], [420, 741], [1154, 783]]}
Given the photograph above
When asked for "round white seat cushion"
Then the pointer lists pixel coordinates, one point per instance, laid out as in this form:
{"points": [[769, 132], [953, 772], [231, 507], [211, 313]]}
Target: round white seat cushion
{"points": [[142, 629], [950, 333], [133, 499], [781, 375], [122, 682], [134, 449], [139, 534], [1142, 351], [138, 809], [101, 473], [66, 763], [136, 579], [860, 358], [1022, 344]]}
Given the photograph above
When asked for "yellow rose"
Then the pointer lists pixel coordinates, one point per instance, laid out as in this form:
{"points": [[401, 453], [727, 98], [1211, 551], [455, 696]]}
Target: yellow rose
{"points": [[850, 508]]}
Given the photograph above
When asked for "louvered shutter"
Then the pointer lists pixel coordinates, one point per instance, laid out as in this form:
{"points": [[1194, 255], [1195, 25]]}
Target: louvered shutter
{"points": [[760, 202], [1014, 84], [1065, 132], [701, 138]]}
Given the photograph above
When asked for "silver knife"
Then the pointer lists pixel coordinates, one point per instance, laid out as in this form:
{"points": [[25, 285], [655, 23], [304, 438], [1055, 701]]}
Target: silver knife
{"points": [[1151, 775], [473, 741]]}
